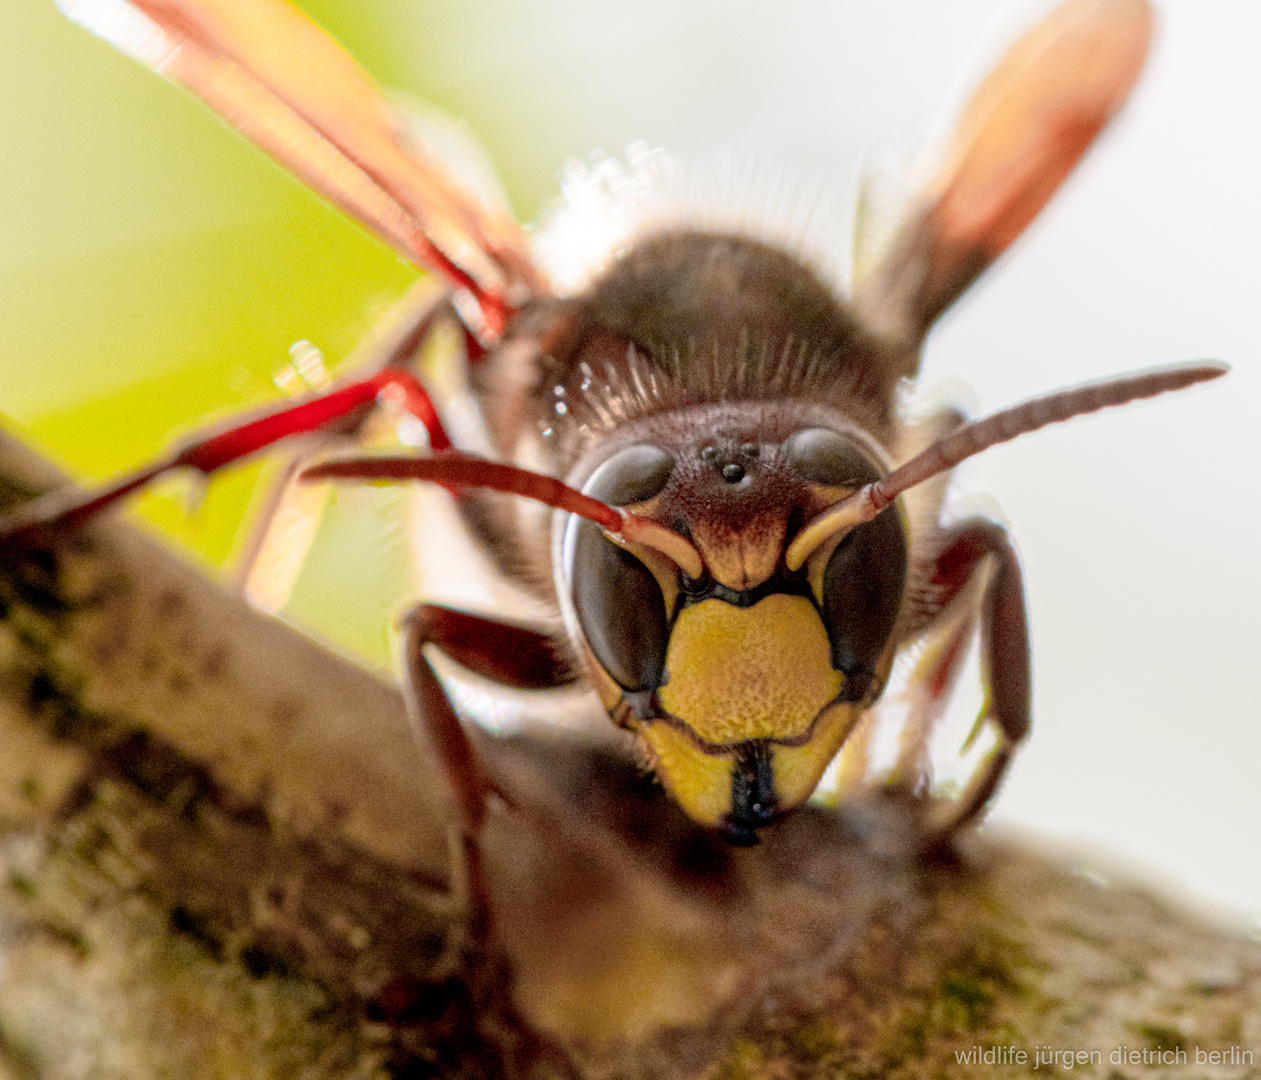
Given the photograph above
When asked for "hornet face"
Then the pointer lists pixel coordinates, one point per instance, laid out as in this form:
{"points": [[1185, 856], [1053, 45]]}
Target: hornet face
{"points": [[741, 684]]}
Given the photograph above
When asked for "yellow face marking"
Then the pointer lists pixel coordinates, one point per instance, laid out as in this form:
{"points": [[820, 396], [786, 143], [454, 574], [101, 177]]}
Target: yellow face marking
{"points": [[797, 770], [749, 673], [699, 782]]}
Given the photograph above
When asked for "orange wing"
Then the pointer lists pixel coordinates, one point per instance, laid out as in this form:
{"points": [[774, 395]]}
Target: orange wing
{"points": [[285, 84], [1018, 138]]}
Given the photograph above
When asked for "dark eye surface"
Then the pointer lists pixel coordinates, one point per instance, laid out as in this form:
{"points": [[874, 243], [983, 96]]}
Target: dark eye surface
{"points": [[829, 458], [631, 476], [862, 592], [616, 598], [621, 609]]}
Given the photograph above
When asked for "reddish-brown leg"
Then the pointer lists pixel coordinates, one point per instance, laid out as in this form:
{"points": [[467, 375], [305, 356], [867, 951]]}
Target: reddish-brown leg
{"points": [[516, 657], [963, 553], [510, 655], [341, 409]]}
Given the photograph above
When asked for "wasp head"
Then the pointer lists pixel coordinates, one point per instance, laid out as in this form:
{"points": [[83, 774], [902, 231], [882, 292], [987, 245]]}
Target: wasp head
{"points": [[741, 683]]}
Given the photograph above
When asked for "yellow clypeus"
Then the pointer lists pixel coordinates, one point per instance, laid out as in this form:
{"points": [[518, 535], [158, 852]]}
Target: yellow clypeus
{"points": [[762, 672]]}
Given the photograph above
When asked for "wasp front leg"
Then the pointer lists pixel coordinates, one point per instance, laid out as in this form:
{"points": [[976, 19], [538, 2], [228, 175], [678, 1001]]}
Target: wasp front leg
{"points": [[522, 659], [974, 578], [512, 656]]}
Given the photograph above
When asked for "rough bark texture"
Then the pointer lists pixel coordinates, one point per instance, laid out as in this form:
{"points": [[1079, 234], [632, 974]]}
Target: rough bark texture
{"points": [[224, 856]]}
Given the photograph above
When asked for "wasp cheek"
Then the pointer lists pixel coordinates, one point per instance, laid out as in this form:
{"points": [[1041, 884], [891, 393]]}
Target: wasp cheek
{"points": [[610, 693], [699, 782], [798, 769]]}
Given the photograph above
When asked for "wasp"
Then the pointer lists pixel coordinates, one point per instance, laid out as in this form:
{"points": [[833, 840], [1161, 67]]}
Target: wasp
{"points": [[698, 456]]}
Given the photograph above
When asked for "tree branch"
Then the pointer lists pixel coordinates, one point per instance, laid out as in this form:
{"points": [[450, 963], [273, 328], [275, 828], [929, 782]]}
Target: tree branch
{"points": [[224, 856]]}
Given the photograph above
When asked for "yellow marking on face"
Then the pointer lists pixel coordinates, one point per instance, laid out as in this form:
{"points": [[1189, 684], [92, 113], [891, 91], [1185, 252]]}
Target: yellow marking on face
{"points": [[699, 782], [749, 673], [797, 770]]}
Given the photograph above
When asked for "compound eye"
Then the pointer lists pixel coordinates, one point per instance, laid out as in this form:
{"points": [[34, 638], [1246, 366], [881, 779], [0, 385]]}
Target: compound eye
{"points": [[826, 457], [630, 476], [862, 592], [618, 601], [620, 607]]}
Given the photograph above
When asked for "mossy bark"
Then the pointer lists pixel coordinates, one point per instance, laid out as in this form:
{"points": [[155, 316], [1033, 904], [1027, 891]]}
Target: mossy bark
{"points": [[224, 855]]}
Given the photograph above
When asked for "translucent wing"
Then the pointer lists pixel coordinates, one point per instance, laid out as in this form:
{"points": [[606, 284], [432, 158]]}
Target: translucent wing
{"points": [[1018, 138], [280, 80]]}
